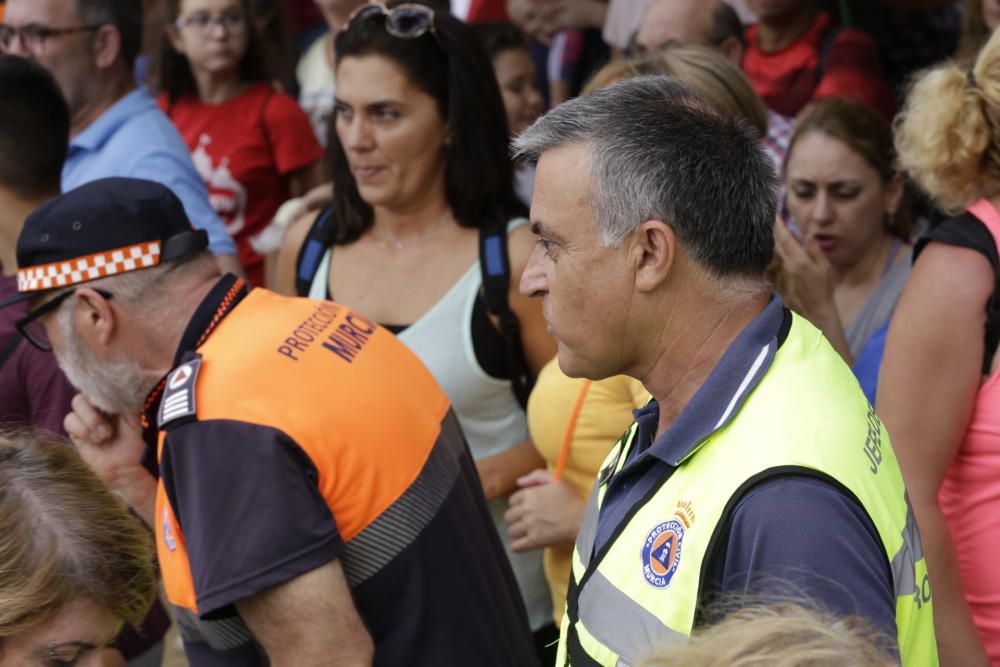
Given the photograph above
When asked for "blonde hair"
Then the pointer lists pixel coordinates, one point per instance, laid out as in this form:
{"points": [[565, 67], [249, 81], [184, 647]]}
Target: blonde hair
{"points": [[781, 635], [65, 537], [706, 70], [948, 134]]}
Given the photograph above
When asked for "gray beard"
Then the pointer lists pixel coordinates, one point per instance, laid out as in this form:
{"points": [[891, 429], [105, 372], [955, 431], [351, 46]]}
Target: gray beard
{"points": [[114, 387]]}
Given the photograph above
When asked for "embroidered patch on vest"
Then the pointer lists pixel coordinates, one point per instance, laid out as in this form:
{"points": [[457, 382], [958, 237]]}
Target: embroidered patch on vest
{"points": [[661, 551], [168, 531], [178, 395]]}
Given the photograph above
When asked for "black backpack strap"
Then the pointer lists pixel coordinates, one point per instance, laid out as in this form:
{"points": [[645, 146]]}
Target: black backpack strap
{"points": [[829, 37], [311, 253], [494, 263], [10, 348]]}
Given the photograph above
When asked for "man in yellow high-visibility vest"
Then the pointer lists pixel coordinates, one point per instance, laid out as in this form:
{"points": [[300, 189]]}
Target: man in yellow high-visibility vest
{"points": [[758, 470]]}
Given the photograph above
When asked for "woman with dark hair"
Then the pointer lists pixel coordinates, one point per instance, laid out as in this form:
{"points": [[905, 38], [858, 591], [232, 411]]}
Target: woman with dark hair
{"points": [[509, 52], [252, 144], [418, 150], [847, 270]]}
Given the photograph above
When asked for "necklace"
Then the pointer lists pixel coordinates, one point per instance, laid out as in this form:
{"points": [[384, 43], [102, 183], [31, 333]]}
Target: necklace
{"points": [[401, 244]]}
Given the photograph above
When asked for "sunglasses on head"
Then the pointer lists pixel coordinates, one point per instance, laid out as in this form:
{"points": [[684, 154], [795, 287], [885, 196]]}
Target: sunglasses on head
{"points": [[406, 21]]}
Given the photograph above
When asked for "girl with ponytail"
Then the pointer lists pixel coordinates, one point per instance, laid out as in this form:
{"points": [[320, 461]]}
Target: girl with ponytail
{"points": [[939, 391]]}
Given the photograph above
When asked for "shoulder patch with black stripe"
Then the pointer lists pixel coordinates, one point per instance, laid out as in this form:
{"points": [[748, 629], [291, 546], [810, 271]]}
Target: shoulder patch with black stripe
{"points": [[178, 401]]}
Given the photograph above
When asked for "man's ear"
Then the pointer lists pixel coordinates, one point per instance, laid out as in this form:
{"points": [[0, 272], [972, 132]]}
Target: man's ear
{"points": [[107, 46], [93, 316], [732, 48], [654, 251]]}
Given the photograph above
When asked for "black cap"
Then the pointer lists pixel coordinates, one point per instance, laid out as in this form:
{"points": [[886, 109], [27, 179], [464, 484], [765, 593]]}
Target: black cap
{"points": [[102, 228]]}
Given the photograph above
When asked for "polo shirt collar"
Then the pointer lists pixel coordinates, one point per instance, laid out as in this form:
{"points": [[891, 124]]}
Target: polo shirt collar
{"points": [[111, 120], [722, 394]]}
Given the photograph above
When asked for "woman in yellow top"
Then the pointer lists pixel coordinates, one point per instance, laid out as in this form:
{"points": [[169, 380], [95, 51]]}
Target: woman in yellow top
{"points": [[573, 423]]}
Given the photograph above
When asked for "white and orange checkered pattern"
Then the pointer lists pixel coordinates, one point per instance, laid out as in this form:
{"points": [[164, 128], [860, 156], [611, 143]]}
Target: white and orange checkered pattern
{"points": [[91, 267]]}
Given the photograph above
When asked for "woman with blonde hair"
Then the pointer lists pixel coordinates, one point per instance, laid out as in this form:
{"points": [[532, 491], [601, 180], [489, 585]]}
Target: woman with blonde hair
{"points": [[74, 564], [939, 391], [706, 70], [782, 635]]}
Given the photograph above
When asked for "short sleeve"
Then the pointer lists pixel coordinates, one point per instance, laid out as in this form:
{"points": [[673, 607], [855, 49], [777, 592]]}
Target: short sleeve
{"points": [[247, 502], [963, 231], [290, 133], [852, 70], [795, 537], [175, 170]]}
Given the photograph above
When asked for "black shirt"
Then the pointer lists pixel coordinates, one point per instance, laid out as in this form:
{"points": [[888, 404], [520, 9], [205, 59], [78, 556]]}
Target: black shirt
{"points": [[968, 231]]}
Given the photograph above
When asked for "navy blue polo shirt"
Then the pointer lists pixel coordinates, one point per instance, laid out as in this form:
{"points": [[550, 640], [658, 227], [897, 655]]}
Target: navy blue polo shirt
{"points": [[791, 537]]}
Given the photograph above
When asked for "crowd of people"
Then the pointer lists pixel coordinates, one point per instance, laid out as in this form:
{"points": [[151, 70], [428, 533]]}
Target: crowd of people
{"points": [[499, 332]]}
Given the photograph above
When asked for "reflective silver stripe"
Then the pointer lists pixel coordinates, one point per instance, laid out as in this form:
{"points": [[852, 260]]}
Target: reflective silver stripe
{"points": [[588, 530], [619, 622], [757, 363], [904, 562], [403, 521]]}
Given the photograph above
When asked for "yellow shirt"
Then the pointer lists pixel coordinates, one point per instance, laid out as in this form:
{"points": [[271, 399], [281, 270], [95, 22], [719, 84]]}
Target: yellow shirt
{"points": [[604, 417]]}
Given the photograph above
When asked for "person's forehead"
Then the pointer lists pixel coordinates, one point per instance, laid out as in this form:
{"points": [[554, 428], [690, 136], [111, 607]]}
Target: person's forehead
{"points": [[48, 12], [373, 76], [686, 21], [563, 186]]}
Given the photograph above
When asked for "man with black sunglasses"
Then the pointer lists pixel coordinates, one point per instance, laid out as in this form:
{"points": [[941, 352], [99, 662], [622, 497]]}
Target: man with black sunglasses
{"points": [[311, 492], [34, 128]]}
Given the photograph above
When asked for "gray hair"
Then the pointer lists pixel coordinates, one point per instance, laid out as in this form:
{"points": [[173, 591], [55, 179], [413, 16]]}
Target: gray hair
{"points": [[148, 291], [658, 151]]}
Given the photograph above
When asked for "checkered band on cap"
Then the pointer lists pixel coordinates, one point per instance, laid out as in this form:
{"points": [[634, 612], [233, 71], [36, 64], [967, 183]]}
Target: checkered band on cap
{"points": [[91, 267]]}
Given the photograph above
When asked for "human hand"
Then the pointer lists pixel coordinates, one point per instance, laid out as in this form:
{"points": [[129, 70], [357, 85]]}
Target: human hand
{"points": [[808, 271], [112, 446], [530, 17], [544, 512]]}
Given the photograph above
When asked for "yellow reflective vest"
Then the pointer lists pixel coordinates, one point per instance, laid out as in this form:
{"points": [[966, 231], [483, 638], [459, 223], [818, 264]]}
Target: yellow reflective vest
{"points": [[807, 415]]}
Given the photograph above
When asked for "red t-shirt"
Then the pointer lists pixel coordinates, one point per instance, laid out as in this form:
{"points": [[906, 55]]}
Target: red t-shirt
{"points": [[787, 79], [245, 148]]}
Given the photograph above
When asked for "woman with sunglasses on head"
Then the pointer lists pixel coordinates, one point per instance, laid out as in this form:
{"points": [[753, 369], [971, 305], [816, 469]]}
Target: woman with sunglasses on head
{"points": [[76, 566], [252, 144], [418, 150]]}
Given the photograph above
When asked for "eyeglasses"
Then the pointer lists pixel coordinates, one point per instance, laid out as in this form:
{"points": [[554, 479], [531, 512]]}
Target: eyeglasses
{"points": [[407, 21], [23, 325], [176, 247], [234, 22], [33, 35]]}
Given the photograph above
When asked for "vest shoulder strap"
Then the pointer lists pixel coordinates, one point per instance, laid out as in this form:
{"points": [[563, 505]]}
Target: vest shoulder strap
{"points": [[315, 245], [494, 263]]}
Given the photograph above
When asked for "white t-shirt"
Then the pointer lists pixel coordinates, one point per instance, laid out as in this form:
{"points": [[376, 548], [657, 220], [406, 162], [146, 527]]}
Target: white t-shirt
{"points": [[460, 9], [316, 85]]}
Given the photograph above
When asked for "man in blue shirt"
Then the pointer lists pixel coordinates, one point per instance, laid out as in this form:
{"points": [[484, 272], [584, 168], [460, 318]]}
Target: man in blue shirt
{"points": [[90, 46], [759, 472]]}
